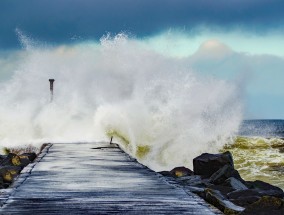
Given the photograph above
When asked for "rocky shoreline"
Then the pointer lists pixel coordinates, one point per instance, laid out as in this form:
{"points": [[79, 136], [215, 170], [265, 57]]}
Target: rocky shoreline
{"points": [[11, 166], [215, 179], [13, 163]]}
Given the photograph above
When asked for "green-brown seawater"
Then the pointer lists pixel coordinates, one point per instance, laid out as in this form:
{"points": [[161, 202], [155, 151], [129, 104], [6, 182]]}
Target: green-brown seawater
{"points": [[258, 158]]}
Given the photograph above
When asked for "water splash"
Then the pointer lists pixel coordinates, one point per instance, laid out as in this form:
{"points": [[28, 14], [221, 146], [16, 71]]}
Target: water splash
{"points": [[156, 107]]}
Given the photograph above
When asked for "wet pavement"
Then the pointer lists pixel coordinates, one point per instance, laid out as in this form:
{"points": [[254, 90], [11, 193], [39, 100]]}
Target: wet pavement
{"points": [[73, 178]]}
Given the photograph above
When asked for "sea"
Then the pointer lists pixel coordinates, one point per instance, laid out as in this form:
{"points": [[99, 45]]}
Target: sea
{"points": [[258, 151]]}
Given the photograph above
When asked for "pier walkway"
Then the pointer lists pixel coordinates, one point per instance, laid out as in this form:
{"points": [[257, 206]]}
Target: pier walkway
{"points": [[73, 178]]}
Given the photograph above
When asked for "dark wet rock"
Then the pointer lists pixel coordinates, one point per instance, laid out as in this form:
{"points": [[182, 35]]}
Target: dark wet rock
{"points": [[10, 160], [6, 185], [266, 189], [223, 189], [245, 197], [8, 173], [223, 174], [235, 184], [194, 183], [216, 198], [198, 190], [166, 173], [24, 160], [244, 201], [15, 160], [1, 181], [2, 157], [11, 166], [207, 164], [216, 181], [190, 180], [265, 205], [181, 171], [178, 172], [31, 156], [2, 184], [240, 193]]}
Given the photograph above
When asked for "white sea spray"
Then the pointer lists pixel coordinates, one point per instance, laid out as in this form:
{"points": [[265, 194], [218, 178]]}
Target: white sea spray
{"points": [[156, 107]]}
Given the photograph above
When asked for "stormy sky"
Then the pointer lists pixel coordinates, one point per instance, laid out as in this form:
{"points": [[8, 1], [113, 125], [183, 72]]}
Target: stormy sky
{"points": [[252, 30], [58, 21]]}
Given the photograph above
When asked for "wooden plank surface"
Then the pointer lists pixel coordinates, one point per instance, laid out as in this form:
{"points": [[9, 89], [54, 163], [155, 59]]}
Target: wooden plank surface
{"points": [[73, 178]]}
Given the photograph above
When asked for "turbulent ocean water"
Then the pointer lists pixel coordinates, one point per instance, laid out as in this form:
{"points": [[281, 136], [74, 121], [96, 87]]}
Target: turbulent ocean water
{"points": [[156, 107], [259, 151]]}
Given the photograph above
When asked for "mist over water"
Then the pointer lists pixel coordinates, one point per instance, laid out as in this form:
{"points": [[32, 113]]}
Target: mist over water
{"points": [[156, 107]]}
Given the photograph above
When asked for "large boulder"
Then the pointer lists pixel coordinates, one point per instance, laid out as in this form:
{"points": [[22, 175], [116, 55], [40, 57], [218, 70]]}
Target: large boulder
{"points": [[8, 173], [197, 190], [244, 197], [265, 205], [227, 171], [190, 180], [223, 189], [2, 157], [193, 181], [218, 200], [244, 201], [1, 183], [16, 160], [31, 156], [181, 171], [241, 193], [249, 196], [266, 189], [24, 160], [206, 164], [235, 184], [11, 160], [257, 190], [166, 173], [177, 172]]}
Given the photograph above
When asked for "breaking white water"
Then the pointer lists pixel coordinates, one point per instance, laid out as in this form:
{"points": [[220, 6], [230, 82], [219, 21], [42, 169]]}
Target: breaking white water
{"points": [[156, 107]]}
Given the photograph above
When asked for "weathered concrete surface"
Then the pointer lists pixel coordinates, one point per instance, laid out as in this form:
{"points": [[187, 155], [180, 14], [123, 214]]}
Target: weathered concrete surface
{"points": [[75, 179]]}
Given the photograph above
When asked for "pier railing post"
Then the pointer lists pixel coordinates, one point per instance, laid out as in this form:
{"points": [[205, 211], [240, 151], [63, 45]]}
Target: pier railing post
{"points": [[51, 81]]}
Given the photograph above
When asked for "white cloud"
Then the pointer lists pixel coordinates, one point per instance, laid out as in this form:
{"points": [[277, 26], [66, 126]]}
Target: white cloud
{"points": [[183, 44], [212, 50]]}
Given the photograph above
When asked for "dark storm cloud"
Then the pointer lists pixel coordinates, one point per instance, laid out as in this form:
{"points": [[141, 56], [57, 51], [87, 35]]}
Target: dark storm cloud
{"points": [[57, 21]]}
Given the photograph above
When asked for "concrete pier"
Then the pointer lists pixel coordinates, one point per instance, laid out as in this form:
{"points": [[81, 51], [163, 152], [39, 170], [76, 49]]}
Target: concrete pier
{"points": [[73, 178]]}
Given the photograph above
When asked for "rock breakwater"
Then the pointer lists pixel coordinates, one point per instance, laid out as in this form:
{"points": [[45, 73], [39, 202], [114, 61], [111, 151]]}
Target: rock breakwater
{"points": [[12, 164], [215, 179]]}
